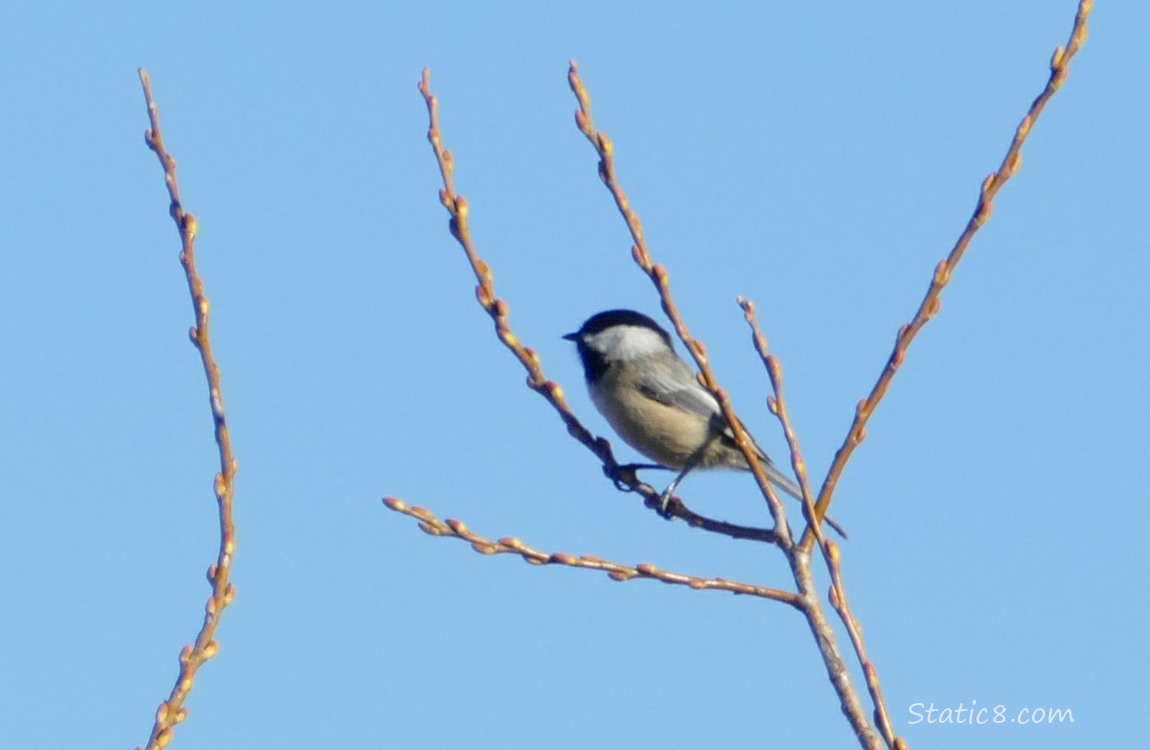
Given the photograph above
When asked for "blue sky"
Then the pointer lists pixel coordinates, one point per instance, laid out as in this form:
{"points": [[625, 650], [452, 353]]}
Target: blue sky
{"points": [[818, 158]]}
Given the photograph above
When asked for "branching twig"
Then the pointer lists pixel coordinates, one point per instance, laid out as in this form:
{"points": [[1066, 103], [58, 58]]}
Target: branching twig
{"points": [[429, 523], [172, 711], [799, 560], [798, 555], [457, 208], [932, 301], [658, 275]]}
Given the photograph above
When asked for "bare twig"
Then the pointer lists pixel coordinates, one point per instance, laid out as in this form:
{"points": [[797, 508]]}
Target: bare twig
{"points": [[172, 711], [778, 406], [496, 308], [429, 523], [932, 301], [658, 275], [838, 599], [824, 636], [799, 559]]}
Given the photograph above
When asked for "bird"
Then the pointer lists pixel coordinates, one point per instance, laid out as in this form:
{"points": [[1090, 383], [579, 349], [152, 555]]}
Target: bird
{"points": [[653, 401]]}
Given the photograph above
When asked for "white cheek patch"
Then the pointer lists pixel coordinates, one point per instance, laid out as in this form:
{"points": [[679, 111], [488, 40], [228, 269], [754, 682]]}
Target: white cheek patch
{"points": [[627, 342]]}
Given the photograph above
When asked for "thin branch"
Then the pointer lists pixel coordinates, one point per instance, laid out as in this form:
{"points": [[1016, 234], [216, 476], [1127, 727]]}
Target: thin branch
{"points": [[452, 528], [932, 301], [658, 275], [800, 559], [172, 711], [824, 635], [496, 308], [838, 599], [778, 406], [694, 520]]}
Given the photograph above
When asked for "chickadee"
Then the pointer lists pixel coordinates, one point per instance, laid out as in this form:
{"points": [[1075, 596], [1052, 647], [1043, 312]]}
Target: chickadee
{"points": [[652, 400]]}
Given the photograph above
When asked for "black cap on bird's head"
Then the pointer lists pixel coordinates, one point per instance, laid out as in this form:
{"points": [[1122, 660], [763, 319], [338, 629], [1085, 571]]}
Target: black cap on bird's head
{"points": [[591, 344], [609, 318]]}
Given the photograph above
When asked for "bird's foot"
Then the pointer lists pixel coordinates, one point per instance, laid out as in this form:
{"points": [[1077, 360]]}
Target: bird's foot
{"points": [[624, 475]]}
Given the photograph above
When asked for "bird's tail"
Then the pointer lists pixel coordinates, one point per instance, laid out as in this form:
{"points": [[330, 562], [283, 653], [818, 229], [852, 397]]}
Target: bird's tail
{"points": [[784, 483]]}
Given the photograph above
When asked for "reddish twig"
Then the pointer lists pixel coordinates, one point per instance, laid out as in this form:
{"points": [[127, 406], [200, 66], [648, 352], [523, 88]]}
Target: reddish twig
{"points": [[799, 557], [932, 301], [778, 406], [429, 523], [496, 308], [838, 599], [811, 609], [172, 711], [837, 672], [658, 276]]}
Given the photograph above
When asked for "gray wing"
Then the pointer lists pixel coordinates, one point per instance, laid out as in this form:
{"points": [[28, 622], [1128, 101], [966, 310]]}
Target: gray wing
{"points": [[676, 386]]}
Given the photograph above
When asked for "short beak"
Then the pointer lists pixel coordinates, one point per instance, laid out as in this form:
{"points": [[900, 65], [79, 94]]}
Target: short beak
{"points": [[571, 336]]}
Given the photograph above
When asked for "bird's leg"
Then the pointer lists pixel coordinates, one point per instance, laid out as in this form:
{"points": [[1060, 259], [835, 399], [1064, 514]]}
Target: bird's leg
{"points": [[665, 498], [637, 467]]}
